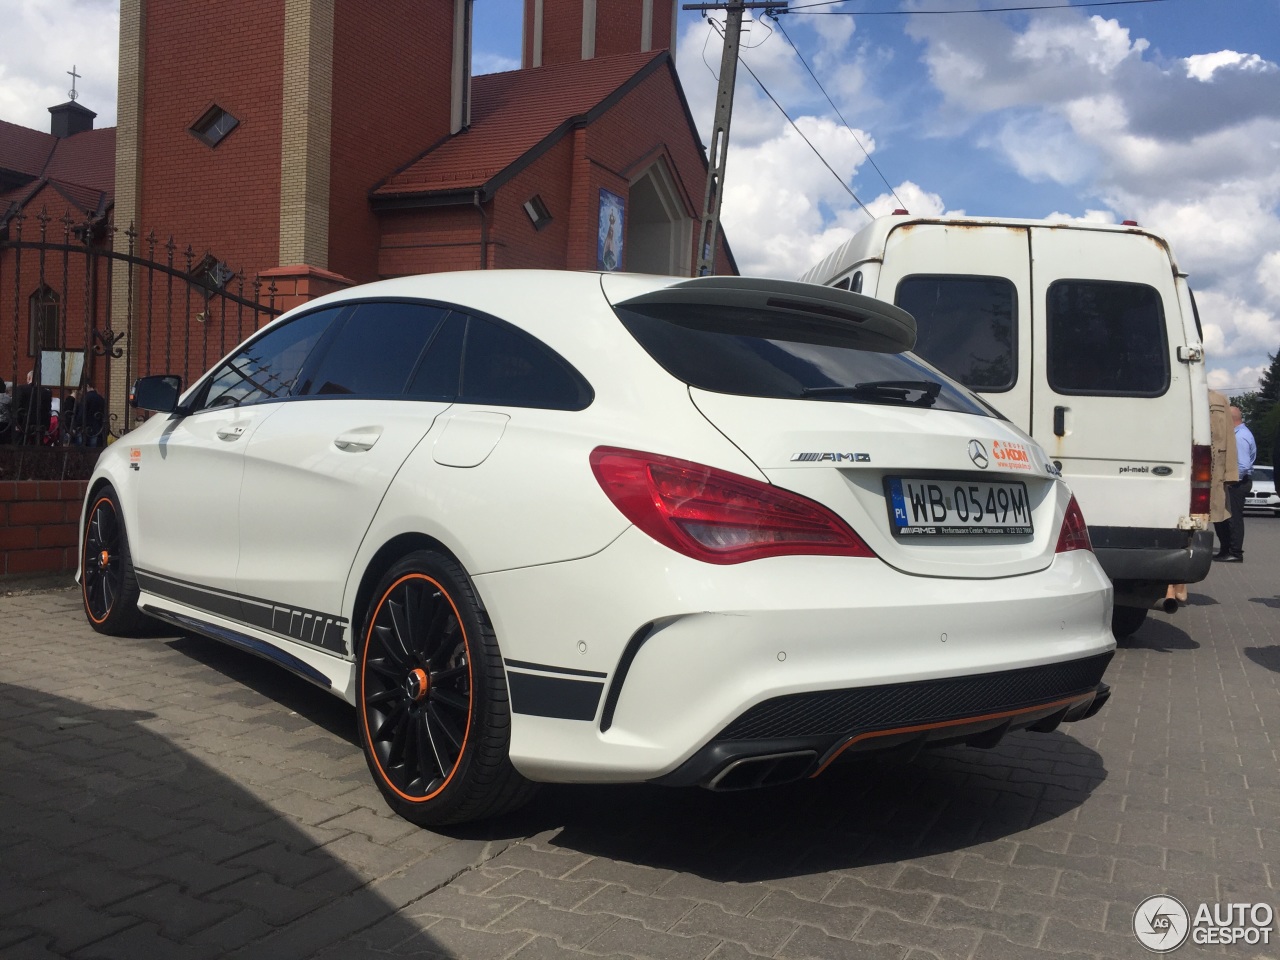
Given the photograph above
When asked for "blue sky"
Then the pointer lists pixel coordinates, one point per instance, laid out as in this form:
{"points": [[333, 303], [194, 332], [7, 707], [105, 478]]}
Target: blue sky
{"points": [[1164, 112]]}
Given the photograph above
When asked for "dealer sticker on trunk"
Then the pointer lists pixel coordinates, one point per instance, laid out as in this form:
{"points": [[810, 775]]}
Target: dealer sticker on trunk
{"points": [[923, 508]]}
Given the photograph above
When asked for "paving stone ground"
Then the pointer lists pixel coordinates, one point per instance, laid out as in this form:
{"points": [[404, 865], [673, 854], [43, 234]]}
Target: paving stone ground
{"points": [[170, 797]]}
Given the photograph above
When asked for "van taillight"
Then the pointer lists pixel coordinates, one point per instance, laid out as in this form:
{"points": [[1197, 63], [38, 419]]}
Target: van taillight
{"points": [[715, 516], [1201, 478], [1075, 533]]}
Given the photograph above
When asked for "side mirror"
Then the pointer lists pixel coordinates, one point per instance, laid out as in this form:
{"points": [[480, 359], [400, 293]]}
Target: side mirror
{"points": [[158, 393]]}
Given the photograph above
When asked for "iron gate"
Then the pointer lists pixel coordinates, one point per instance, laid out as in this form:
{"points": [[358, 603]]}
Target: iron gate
{"points": [[91, 306]]}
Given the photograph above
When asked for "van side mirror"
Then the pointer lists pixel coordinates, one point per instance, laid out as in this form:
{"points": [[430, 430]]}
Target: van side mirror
{"points": [[159, 393]]}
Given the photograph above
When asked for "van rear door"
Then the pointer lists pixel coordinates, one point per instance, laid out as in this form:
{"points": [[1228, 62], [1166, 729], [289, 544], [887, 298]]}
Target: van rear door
{"points": [[1111, 401], [969, 288]]}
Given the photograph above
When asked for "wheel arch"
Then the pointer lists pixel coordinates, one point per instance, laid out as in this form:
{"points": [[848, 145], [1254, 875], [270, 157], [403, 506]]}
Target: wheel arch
{"points": [[386, 556]]}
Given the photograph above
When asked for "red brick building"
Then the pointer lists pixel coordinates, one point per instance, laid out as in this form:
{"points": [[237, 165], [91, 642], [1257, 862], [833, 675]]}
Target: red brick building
{"points": [[318, 143]]}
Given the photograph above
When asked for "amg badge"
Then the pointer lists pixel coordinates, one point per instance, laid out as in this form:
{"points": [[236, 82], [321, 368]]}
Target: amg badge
{"points": [[831, 457]]}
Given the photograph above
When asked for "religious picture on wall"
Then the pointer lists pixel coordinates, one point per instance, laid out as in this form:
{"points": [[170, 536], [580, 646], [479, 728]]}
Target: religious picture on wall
{"points": [[609, 238]]}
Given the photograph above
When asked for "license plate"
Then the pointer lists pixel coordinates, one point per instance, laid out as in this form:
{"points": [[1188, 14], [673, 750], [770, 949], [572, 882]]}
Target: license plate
{"points": [[924, 508]]}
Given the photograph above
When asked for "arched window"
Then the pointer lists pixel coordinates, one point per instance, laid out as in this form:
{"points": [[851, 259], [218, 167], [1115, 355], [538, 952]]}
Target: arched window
{"points": [[45, 332]]}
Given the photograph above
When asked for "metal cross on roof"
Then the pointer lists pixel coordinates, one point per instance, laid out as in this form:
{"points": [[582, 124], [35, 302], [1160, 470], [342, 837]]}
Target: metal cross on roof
{"points": [[72, 73]]}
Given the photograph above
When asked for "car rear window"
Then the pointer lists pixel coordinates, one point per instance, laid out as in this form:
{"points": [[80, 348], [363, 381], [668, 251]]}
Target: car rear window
{"points": [[754, 353]]}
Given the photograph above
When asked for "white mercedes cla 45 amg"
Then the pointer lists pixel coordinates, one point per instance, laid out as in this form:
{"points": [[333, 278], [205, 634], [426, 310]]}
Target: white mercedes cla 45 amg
{"points": [[570, 527]]}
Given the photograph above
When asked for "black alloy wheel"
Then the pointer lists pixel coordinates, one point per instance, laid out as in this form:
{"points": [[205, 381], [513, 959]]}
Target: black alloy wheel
{"points": [[432, 697], [107, 581]]}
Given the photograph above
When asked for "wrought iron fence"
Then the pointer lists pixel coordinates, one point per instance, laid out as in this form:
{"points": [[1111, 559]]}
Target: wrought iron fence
{"points": [[91, 307]]}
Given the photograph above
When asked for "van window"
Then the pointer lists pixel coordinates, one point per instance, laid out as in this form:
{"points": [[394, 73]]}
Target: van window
{"points": [[965, 326], [852, 283], [1106, 338]]}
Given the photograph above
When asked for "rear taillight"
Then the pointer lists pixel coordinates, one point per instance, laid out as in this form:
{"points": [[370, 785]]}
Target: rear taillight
{"points": [[715, 516], [1201, 478], [1074, 535]]}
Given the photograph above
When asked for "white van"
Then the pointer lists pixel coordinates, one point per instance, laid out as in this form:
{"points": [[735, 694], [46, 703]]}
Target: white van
{"points": [[1087, 337]]}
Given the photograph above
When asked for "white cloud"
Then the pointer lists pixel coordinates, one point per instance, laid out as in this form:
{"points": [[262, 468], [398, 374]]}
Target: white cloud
{"points": [[482, 63], [777, 194], [1190, 148], [1044, 147], [1268, 276], [1235, 330], [914, 199], [1090, 216], [40, 40], [1098, 44], [1236, 380], [1203, 66]]}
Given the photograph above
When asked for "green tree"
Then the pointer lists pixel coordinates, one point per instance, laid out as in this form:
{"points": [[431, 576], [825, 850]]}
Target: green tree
{"points": [[1253, 405], [1270, 381], [1262, 416]]}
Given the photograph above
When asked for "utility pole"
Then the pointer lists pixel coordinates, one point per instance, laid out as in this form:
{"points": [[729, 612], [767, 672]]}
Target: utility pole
{"points": [[719, 151]]}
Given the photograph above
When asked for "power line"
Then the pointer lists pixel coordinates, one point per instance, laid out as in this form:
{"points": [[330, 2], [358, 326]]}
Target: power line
{"points": [[806, 10], [781, 110], [855, 136]]}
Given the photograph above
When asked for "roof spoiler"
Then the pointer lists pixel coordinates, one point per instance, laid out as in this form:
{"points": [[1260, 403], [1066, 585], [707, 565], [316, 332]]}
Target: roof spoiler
{"points": [[787, 310]]}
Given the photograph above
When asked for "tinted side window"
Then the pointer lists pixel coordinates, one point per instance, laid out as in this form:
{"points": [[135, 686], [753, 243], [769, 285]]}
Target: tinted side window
{"points": [[965, 326], [267, 366], [437, 375], [375, 351], [502, 365], [1106, 338]]}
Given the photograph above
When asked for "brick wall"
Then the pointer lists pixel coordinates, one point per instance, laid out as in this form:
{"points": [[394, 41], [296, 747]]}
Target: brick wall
{"points": [[39, 525], [224, 199], [618, 25], [392, 66]]}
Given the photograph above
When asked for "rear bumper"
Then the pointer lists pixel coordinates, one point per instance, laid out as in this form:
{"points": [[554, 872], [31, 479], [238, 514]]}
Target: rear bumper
{"points": [[800, 735], [624, 665], [1155, 554]]}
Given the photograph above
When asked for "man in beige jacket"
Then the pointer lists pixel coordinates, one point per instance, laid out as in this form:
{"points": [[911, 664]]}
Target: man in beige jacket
{"points": [[1223, 469]]}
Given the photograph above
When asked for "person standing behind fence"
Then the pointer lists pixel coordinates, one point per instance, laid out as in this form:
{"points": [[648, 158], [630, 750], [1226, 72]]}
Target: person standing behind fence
{"points": [[6, 406], [1232, 544], [91, 414]]}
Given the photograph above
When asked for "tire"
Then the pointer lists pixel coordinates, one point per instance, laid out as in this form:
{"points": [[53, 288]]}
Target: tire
{"points": [[107, 581], [435, 725], [1125, 621]]}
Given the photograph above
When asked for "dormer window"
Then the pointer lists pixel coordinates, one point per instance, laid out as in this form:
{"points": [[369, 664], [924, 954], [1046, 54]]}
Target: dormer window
{"points": [[214, 125]]}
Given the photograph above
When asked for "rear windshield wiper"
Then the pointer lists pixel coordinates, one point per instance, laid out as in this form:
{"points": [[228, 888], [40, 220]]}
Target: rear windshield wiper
{"points": [[892, 391]]}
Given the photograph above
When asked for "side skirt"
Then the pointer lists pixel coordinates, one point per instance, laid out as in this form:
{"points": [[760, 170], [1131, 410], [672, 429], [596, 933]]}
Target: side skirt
{"points": [[244, 642]]}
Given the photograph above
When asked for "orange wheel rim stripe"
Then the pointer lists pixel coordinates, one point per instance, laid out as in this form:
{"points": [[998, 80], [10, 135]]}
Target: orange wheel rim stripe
{"points": [[364, 659], [84, 578]]}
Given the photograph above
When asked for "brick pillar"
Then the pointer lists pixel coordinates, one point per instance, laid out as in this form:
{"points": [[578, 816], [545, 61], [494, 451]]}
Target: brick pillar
{"points": [[127, 205], [306, 132], [584, 208], [300, 283]]}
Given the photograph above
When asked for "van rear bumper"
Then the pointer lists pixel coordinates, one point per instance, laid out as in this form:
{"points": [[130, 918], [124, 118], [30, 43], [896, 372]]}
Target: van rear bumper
{"points": [[1152, 553]]}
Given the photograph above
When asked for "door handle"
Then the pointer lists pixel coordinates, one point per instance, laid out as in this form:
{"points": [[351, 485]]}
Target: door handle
{"points": [[1060, 421], [355, 442], [232, 432]]}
